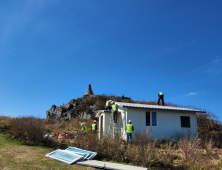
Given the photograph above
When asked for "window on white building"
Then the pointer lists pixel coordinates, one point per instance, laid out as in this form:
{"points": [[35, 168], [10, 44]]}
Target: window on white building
{"points": [[185, 121], [147, 118], [151, 119]]}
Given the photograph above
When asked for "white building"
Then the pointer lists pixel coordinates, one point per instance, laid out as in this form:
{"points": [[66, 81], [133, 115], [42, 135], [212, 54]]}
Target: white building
{"points": [[161, 121]]}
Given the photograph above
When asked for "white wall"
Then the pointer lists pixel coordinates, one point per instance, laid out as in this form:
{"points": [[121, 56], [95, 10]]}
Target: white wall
{"points": [[107, 128], [168, 122]]}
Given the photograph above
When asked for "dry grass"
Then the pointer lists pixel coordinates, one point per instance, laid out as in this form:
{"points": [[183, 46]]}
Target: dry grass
{"points": [[186, 153], [20, 157]]}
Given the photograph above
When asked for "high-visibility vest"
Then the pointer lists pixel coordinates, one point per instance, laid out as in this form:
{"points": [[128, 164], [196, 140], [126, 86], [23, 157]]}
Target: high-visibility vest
{"points": [[114, 107], [84, 129], [93, 126], [160, 93], [129, 128], [107, 103]]}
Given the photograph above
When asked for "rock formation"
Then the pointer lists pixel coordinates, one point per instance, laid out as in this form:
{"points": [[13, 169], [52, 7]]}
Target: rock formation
{"points": [[65, 112], [69, 110], [89, 92]]}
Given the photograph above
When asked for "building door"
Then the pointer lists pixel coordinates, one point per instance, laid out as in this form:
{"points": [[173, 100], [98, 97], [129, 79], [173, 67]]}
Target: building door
{"points": [[101, 126]]}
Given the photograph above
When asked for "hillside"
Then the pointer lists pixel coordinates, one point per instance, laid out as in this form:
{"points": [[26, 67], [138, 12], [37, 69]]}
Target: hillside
{"points": [[208, 125], [183, 154]]}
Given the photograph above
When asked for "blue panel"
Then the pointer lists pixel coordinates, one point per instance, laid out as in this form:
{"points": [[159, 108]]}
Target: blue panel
{"points": [[64, 156], [91, 154]]}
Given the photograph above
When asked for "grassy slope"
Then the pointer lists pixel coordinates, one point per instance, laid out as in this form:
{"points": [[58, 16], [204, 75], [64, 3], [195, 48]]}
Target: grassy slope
{"points": [[16, 156]]}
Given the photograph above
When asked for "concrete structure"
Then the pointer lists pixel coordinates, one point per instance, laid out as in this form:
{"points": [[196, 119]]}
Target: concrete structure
{"points": [[161, 121]]}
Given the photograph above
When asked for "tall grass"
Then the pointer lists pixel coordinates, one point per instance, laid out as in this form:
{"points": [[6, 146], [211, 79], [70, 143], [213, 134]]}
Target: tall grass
{"points": [[185, 153]]}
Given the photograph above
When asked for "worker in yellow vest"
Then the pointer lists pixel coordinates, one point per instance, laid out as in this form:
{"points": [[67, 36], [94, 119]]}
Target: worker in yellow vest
{"points": [[108, 105], [160, 95], [84, 128], [129, 131], [94, 127], [115, 111]]}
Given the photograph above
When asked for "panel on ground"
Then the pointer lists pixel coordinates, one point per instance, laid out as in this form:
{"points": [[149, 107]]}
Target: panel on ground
{"points": [[81, 151], [64, 156], [109, 165]]}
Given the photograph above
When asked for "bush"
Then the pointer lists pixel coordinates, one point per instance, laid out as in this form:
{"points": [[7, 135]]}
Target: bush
{"points": [[4, 123], [27, 129]]}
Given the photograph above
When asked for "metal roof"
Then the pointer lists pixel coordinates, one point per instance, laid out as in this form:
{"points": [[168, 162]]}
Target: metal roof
{"points": [[156, 107]]}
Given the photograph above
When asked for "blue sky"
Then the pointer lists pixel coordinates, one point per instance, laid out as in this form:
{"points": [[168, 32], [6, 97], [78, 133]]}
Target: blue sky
{"points": [[51, 50]]}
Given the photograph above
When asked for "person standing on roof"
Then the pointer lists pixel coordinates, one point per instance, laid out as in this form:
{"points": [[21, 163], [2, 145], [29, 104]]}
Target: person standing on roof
{"points": [[129, 131], [108, 105], [160, 95], [94, 127], [115, 111], [84, 129]]}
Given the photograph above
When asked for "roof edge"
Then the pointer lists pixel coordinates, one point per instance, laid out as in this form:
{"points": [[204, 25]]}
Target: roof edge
{"points": [[198, 111]]}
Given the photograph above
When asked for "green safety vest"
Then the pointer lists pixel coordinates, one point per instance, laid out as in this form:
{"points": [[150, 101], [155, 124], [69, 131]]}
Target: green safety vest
{"points": [[129, 128], [160, 93], [93, 126], [107, 103], [84, 129], [114, 107]]}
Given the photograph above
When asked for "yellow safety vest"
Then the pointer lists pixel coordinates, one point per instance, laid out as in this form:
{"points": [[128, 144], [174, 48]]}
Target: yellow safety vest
{"points": [[114, 107], [107, 103], [84, 129], [160, 93], [129, 128], [93, 126]]}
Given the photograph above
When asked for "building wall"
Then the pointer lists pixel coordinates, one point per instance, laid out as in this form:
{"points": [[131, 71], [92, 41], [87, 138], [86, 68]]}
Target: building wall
{"points": [[108, 125], [168, 122]]}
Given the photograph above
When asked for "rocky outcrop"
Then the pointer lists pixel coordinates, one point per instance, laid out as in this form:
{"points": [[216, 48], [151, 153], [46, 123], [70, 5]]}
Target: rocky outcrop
{"points": [[68, 111], [65, 112], [89, 92]]}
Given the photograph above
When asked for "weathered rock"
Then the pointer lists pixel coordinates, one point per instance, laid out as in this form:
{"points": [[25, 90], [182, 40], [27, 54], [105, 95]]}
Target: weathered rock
{"points": [[69, 105], [66, 111], [93, 108], [86, 116], [54, 113], [69, 110], [89, 92]]}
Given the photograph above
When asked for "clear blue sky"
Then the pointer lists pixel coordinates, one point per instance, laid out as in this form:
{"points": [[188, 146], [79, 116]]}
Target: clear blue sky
{"points": [[51, 50]]}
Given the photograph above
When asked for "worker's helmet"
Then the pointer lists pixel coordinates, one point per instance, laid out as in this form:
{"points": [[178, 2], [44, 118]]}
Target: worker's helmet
{"points": [[130, 121], [113, 102], [94, 121], [82, 124]]}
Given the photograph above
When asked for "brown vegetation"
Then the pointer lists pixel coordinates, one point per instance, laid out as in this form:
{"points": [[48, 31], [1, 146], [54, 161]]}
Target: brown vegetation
{"points": [[185, 153]]}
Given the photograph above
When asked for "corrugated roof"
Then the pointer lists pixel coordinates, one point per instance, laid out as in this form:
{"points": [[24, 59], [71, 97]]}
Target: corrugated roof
{"points": [[156, 107]]}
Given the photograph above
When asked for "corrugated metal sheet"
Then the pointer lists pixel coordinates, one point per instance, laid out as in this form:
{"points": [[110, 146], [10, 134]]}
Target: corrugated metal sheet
{"points": [[68, 157], [156, 107], [90, 154], [109, 165]]}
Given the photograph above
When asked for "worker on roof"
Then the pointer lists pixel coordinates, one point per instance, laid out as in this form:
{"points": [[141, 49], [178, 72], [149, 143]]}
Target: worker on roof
{"points": [[115, 111], [94, 127], [108, 105], [129, 131], [160, 95], [84, 128]]}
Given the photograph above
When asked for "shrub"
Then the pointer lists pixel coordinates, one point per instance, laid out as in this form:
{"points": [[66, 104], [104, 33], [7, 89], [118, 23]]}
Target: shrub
{"points": [[27, 129]]}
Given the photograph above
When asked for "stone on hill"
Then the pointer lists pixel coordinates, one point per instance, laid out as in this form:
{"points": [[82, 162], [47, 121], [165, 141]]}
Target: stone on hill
{"points": [[89, 92], [66, 111]]}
